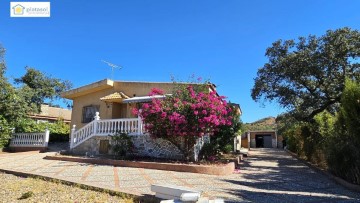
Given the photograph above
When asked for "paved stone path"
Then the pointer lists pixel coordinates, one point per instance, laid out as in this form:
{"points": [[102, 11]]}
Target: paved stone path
{"points": [[268, 175]]}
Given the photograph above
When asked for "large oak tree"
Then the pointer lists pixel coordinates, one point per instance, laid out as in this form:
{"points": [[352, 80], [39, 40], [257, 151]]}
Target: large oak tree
{"points": [[307, 76]]}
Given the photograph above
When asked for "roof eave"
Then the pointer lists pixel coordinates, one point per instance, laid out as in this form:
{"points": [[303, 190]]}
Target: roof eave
{"points": [[87, 89]]}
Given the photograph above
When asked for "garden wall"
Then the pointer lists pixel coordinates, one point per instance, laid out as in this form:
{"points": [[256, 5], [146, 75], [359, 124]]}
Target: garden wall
{"points": [[144, 146]]}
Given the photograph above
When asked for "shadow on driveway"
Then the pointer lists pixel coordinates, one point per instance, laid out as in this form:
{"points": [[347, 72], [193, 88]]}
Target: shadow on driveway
{"points": [[272, 175]]}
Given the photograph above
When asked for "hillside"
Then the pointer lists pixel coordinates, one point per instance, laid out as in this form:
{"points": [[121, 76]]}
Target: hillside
{"points": [[268, 123]]}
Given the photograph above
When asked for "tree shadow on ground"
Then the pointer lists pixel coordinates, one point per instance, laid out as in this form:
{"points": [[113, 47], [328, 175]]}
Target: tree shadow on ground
{"points": [[274, 176]]}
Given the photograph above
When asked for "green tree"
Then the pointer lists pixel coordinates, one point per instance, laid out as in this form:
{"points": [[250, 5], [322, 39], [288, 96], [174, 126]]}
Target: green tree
{"points": [[38, 87], [18, 102], [12, 105], [307, 76], [343, 146]]}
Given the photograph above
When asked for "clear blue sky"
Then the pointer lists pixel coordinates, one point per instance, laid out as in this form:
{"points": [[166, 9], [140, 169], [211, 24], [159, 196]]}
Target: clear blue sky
{"points": [[223, 40]]}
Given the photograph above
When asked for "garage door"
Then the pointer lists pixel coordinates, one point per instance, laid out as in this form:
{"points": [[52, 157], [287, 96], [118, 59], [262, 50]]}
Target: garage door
{"points": [[267, 141]]}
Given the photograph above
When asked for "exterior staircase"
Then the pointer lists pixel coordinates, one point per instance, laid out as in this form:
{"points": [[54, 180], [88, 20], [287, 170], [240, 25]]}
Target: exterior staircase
{"points": [[106, 127]]}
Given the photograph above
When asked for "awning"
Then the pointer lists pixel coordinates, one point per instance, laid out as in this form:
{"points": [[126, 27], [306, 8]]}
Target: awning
{"points": [[115, 97], [144, 98]]}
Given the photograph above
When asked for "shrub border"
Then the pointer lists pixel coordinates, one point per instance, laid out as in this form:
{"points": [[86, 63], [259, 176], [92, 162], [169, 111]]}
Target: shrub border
{"points": [[225, 169]]}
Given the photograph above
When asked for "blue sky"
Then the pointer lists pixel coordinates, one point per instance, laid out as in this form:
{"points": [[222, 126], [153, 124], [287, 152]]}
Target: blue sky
{"points": [[224, 41]]}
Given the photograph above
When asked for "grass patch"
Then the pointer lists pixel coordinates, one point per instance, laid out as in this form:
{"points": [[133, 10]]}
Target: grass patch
{"points": [[39, 189]]}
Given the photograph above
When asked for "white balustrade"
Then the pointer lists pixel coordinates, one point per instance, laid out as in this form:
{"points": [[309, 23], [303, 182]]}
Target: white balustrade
{"points": [[106, 127], [30, 139], [112, 126]]}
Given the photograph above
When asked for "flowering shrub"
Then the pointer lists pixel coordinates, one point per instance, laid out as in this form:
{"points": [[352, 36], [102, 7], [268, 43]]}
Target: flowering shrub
{"points": [[190, 112]]}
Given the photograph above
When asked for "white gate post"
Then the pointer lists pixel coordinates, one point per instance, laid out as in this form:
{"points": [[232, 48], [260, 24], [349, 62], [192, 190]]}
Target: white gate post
{"points": [[47, 136], [72, 136], [96, 118]]}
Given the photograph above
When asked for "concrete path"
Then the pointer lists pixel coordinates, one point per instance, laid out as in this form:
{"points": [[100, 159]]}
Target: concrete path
{"points": [[268, 175]]}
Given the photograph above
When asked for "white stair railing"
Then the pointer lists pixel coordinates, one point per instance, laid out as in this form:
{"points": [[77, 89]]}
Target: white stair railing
{"points": [[84, 133], [131, 126], [30, 139]]}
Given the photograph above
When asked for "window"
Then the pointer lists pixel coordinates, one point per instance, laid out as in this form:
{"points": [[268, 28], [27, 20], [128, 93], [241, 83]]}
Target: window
{"points": [[88, 113]]}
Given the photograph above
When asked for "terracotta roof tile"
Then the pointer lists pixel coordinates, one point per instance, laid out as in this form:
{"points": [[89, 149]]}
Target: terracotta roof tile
{"points": [[115, 97]]}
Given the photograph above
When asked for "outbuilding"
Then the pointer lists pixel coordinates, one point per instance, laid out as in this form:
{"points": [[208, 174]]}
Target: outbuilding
{"points": [[261, 139]]}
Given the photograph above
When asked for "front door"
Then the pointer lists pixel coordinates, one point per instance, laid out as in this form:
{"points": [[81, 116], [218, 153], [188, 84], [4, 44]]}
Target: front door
{"points": [[104, 147]]}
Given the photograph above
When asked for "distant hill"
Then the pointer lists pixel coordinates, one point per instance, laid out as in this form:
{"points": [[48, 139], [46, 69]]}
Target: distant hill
{"points": [[268, 123]]}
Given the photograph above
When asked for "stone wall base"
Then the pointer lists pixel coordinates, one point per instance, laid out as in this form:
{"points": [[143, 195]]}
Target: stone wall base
{"points": [[144, 146]]}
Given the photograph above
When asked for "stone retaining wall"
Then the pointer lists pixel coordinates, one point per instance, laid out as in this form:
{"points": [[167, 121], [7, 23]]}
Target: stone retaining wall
{"points": [[158, 148], [144, 146]]}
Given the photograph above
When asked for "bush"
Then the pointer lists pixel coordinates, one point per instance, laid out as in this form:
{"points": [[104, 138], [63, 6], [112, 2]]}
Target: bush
{"points": [[343, 145], [308, 140], [332, 141], [189, 113], [122, 145], [209, 151], [5, 132], [30, 126], [228, 148]]}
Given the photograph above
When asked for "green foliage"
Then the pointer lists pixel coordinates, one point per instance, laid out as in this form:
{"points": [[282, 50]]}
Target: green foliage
{"points": [[209, 151], [2, 62], [59, 131], [343, 145], [18, 102], [5, 132], [38, 87], [316, 80], [224, 137], [12, 105], [122, 145], [293, 136], [309, 140], [228, 148], [29, 125], [331, 141], [262, 124], [308, 76], [192, 111]]}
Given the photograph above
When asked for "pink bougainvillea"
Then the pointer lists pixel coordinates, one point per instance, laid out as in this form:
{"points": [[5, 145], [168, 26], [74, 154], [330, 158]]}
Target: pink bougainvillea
{"points": [[189, 111]]}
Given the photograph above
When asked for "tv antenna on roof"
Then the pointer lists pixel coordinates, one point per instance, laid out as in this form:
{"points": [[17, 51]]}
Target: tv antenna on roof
{"points": [[113, 67]]}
